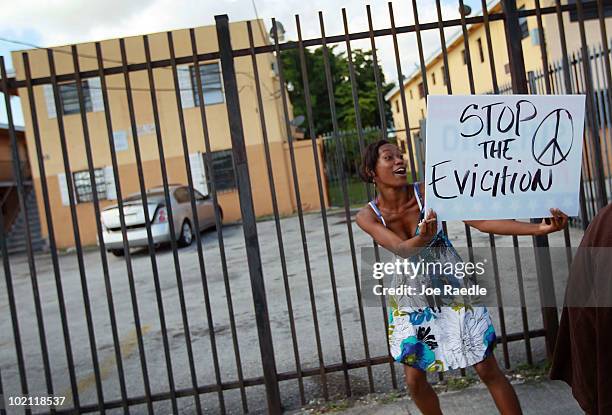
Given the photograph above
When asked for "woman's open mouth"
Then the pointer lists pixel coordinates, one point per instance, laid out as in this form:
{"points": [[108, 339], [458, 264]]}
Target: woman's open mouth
{"points": [[400, 172]]}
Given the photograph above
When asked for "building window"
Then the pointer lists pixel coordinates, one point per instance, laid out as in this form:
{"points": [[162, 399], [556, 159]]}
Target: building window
{"points": [[463, 54], [422, 113], [396, 106], [70, 98], [480, 51], [83, 188], [443, 71], [222, 163], [421, 90], [589, 11], [507, 68], [523, 25], [433, 78], [403, 144], [212, 88], [411, 96]]}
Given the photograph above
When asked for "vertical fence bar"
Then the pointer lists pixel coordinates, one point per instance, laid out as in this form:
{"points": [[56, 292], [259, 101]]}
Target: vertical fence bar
{"points": [[13, 309], [354, 93], [145, 209], [196, 224], [567, 81], [28, 236], [542, 255], [338, 142], [298, 197], [379, 96], [99, 230], [76, 229], [447, 82], [422, 132], [2, 409], [500, 308], [605, 112], [359, 126], [417, 31], [600, 184], [279, 232], [449, 91], [515, 244], [600, 101], [548, 89], [248, 215], [130, 272], [607, 84], [309, 116], [50, 226], [587, 151], [400, 80], [446, 76], [173, 236], [219, 227]]}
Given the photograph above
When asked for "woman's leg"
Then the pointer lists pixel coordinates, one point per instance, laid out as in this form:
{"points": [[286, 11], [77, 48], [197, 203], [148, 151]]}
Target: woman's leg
{"points": [[502, 392], [421, 391]]}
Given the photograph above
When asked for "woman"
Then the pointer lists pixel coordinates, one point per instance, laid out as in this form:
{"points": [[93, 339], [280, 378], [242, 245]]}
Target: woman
{"points": [[582, 355], [425, 339]]}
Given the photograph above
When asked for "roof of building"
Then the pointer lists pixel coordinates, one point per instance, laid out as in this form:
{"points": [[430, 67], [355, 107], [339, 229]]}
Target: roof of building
{"points": [[458, 34], [158, 32]]}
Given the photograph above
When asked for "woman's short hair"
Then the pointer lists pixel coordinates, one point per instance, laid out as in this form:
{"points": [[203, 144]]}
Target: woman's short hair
{"points": [[369, 160]]}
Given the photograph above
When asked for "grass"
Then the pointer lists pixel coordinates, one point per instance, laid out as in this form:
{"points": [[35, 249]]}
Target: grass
{"points": [[459, 383], [533, 372], [356, 189]]}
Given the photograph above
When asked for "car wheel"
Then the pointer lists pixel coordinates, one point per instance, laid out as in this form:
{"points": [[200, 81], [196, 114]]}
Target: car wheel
{"points": [[117, 252], [186, 234]]}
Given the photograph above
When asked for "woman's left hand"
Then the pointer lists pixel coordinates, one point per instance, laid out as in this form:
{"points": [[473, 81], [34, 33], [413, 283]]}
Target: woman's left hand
{"points": [[558, 221]]}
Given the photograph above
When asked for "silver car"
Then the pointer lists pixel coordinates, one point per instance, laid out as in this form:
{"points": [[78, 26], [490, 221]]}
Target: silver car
{"points": [[158, 215]]}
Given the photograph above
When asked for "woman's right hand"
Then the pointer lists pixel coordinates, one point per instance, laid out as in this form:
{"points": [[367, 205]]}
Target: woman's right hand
{"points": [[428, 227]]}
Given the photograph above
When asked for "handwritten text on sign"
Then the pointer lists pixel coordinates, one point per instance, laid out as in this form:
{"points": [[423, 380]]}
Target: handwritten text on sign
{"points": [[503, 156]]}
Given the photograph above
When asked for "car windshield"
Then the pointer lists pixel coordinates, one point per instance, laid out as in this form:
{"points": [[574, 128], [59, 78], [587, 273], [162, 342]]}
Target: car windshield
{"points": [[155, 196]]}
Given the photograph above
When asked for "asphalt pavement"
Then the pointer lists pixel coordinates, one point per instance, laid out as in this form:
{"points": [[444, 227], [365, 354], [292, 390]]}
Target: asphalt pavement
{"points": [[339, 320]]}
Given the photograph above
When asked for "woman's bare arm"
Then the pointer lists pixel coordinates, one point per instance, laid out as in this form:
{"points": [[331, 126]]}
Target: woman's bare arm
{"points": [[558, 221], [390, 240]]}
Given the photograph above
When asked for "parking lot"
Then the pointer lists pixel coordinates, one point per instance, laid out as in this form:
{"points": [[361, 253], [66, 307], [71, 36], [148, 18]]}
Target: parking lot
{"points": [[243, 316]]}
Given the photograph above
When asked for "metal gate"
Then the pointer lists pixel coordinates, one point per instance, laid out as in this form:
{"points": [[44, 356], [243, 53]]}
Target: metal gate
{"points": [[202, 365]]}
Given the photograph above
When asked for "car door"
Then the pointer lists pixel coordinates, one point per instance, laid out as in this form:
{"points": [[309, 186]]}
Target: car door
{"points": [[206, 212], [181, 208]]}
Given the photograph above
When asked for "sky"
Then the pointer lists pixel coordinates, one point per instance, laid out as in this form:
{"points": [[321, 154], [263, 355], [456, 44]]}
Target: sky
{"points": [[60, 22]]}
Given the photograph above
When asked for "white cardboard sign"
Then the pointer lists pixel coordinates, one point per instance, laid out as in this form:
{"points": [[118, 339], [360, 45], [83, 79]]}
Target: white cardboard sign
{"points": [[503, 156]]}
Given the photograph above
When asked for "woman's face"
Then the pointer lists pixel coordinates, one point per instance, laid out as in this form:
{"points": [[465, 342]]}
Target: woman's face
{"points": [[390, 167]]}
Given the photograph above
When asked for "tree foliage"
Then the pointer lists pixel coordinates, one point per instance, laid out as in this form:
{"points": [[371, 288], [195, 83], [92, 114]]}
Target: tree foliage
{"points": [[341, 86]]}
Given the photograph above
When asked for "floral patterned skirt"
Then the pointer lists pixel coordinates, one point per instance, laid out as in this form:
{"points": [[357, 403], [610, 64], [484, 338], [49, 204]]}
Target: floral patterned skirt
{"points": [[436, 339]]}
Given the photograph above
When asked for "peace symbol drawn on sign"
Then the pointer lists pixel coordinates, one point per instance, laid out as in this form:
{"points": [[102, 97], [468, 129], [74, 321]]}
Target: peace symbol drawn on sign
{"points": [[554, 152]]}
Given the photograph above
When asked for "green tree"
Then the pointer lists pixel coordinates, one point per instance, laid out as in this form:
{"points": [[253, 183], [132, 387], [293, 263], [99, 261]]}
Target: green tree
{"points": [[318, 85]]}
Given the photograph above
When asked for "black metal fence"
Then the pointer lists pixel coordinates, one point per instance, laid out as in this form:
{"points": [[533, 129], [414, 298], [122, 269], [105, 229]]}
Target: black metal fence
{"points": [[186, 377], [599, 94]]}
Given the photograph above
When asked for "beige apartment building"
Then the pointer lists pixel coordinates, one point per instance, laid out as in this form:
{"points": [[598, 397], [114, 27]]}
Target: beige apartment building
{"points": [[479, 55], [218, 128]]}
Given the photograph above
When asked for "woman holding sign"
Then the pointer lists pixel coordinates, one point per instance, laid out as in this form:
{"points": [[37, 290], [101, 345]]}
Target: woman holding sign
{"points": [[428, 338]]}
